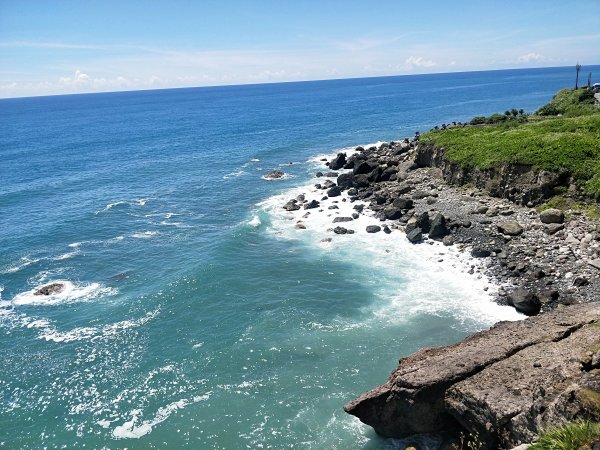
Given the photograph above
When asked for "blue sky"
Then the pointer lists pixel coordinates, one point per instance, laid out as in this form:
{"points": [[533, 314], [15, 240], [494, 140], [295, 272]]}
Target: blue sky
{"points": [[55, 47]]}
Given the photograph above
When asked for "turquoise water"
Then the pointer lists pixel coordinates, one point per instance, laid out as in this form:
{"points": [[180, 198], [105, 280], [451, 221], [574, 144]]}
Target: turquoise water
{"points": [[196, 315]]}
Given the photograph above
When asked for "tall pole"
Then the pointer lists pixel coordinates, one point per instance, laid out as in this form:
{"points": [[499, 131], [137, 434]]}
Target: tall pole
{"points": [[577, 69]]}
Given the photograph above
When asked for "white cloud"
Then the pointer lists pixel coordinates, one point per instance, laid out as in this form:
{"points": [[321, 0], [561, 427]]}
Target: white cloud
{"points": [[414, 62], [531, 57]]}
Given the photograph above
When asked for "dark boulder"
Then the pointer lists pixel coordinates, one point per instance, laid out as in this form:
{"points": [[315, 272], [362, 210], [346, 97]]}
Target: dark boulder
{"points": [[525, 301], [373, 228], [480, 252], [312, 204], [292, 205], [361, 180], [438, 227], [364, 168], [423, 222], [415, 235], [334, 191], [344, 181], [552, 216], [403, 203], [338, 162], [392, 213]]}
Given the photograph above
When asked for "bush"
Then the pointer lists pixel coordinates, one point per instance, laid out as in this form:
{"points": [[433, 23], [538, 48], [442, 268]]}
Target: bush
{"points": [[572, 436]]}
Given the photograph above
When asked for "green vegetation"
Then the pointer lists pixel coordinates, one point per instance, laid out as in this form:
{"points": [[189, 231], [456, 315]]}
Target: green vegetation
{"points": [[573, 436], [566, 203], [569, 144], [570, 103], [509, 116]]}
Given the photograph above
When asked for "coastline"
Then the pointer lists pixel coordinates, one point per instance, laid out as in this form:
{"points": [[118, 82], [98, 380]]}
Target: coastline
{"points": [[536, 262]]}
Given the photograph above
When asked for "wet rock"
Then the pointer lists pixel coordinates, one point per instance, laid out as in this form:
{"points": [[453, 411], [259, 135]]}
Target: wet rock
{"points": [[552, 215], [386, 230], [392, 213], [344, 181], [300, 226], [403, 203], [415, 235], [373, 228], [312, 204], [275, 174], [423, 222], [292, 205], [340, 230], [50, 289]]}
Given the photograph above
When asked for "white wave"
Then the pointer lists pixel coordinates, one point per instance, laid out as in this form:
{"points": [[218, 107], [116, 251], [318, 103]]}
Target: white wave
{"points": [[170, 214], [255, 221], [237, 173], [142, 201], [70, 293], [50, 333], [255, 160], [408, 279], [66, 255], [75, 244], [23, 263], [135, 429], [112, 205], [144, 235]]}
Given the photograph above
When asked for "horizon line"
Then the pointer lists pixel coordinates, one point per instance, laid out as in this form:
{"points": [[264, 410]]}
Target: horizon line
{"points": [[210, 86]]}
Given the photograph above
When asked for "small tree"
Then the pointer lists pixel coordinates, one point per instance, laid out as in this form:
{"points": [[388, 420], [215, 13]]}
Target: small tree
{"points": [[589, 81], [577, 69]]}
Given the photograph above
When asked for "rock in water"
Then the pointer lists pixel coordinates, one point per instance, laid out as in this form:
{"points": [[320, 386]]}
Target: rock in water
{"points": [[510, 228], [334, 192], [552, 216], [373, 228], [507, 384], [292, 205], [49, 289], [312, 204], [273, 175]]}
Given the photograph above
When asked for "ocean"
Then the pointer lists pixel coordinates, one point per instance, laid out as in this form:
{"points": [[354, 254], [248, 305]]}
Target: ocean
{"points": [[195, 314]]}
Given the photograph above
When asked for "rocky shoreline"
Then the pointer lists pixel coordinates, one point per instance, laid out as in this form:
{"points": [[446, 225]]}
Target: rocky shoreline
{"points": [[541, 261]]}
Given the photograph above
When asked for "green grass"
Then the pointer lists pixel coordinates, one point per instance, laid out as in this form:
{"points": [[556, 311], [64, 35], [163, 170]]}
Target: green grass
{"points": [[569, 145], [591, 210], [570, 103], [573, 436]]}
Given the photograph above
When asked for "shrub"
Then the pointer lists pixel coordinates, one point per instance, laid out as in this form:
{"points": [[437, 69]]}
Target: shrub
{"points": [[572, 436]]}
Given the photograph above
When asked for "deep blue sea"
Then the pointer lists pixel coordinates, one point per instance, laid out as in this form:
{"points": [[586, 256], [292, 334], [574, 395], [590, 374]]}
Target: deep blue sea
{"points": [[195, 313]]}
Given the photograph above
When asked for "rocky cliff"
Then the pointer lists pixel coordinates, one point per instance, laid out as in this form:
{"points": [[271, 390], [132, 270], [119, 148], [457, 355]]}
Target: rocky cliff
{"points": [[522, 184], [505, 384]]}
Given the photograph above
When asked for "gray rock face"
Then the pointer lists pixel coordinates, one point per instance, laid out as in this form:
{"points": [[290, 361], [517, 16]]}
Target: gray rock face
{"points": [[342, 219], [552, 216], [507, 383], [510, 228]]}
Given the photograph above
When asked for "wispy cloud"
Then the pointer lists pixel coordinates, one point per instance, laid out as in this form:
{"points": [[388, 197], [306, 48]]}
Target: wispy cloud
{"points": [[531, 57], [46, 45], [413, 62]]}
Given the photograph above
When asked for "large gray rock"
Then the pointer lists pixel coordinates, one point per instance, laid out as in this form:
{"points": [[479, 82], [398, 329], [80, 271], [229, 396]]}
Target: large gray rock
{"points": [[49, 289], [507, 383], [510, 228], [552, 216]]}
